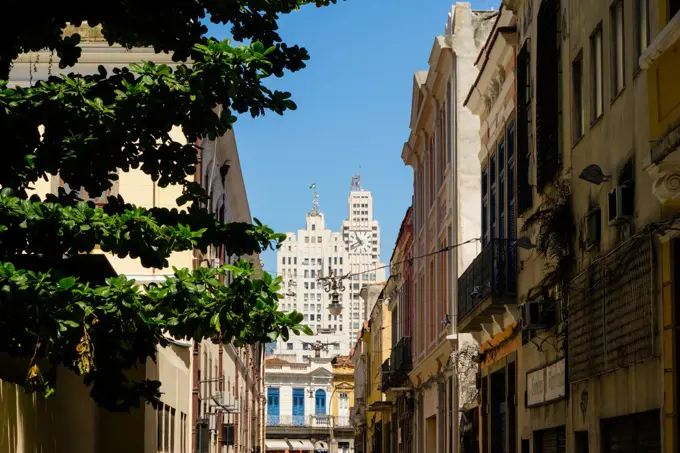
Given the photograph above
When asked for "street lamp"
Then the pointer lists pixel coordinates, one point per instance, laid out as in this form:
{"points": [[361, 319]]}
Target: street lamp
{"points": [[594, 175], [333, 286]]}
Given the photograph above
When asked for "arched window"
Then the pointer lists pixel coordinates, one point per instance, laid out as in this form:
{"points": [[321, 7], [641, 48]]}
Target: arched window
{"points": [[320, 402]]}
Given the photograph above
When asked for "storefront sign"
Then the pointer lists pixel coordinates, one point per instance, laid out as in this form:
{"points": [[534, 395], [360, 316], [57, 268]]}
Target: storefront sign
{"points": [[546, 384]]}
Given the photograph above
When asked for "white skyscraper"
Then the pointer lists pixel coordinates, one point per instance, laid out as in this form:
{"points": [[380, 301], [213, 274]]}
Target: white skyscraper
{"points": [[309, 255]]}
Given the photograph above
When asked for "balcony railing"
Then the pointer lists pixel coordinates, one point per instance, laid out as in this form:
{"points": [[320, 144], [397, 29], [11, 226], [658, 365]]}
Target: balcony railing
{"points": [[310, 421], [493, 273], [342, 422], [401, 358]]}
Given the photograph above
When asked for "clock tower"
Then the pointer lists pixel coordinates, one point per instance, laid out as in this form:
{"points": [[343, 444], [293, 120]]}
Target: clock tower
{"points": [[361, 235]]}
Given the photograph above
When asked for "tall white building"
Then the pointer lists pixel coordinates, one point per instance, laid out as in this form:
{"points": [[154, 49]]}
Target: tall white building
{"points": [[306, 259]]}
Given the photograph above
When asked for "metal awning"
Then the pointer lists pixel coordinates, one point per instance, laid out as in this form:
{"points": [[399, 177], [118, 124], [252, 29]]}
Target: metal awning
{"points": [[300, 445], [276, 444], [321, 446]]}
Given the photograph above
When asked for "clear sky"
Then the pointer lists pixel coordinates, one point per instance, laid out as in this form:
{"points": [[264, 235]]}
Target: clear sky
{"points": [[354, 101]]}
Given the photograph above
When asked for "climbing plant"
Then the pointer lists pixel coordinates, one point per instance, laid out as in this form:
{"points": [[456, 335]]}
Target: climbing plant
{"points": [[555, 230]]}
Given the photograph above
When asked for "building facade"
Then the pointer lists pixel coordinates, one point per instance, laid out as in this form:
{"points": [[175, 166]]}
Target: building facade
{"points": [[372, 415], [298, 403], [227, 381], [441, 149], [305, 260], [200, 397], [395, 380], [342, 405], [487, 306], [661, 63], [573, 320]]}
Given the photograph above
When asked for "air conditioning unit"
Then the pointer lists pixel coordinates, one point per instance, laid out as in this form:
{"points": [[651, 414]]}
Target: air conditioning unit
{"points": [[593, 228], [224, 401], [620, 204], [539, 314]]}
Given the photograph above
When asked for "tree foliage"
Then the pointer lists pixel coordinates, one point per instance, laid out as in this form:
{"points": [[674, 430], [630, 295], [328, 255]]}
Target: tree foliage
{"points": [[87, 128]]}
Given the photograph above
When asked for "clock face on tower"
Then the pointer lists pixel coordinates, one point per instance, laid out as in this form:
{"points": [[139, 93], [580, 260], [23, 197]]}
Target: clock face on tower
{"points": [[359, 242]]}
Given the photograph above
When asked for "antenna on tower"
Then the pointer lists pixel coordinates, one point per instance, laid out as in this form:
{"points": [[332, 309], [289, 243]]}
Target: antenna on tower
{"points": [[315, 201], [356, 183]]}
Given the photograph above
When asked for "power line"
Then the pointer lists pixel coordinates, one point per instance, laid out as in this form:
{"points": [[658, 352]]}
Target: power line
{"points": [[408, 260]]}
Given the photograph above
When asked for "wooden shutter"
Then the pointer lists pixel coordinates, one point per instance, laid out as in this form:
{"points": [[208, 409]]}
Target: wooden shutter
{"points": [[547, 95], [524, 189]]}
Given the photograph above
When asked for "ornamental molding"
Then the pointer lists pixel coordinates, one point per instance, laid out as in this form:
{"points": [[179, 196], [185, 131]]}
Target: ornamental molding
{"points": [[665, 180], [663, 41]]}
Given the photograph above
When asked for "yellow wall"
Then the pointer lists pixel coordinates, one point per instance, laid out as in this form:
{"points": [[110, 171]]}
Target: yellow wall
{"points": [[343, 381], [664, 93]]}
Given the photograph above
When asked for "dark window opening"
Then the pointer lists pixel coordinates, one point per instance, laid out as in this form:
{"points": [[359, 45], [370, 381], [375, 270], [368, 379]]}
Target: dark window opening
{"points": [[547, 95]]}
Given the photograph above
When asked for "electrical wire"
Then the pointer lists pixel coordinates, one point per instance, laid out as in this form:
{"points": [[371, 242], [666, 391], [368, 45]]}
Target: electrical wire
{"points": [[408, 260]]}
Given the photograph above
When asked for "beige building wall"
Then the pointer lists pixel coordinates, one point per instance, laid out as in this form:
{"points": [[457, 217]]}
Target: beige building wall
{"points": [[69, 421]]}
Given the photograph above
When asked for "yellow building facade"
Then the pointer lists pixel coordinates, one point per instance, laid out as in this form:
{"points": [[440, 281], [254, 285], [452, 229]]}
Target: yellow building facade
{"points": [[661, 62], [342, 404]]}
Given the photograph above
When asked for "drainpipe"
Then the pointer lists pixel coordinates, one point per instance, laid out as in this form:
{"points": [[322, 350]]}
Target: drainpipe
{"points": [[236, 415], [197, 347]]}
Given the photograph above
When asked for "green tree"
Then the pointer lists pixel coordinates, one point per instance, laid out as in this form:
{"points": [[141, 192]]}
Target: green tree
{"points": [[94, 125]]}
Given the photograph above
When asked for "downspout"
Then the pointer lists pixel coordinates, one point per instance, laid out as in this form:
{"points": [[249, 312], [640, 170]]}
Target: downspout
{"points": [[236, 415], [195, 442]]}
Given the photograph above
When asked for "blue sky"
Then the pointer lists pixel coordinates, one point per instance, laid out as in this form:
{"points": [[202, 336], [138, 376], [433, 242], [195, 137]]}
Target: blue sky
{"points": [[354, 101]]}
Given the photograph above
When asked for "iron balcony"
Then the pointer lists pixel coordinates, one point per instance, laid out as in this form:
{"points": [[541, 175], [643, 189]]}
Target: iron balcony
{"points": [[487, 285]]}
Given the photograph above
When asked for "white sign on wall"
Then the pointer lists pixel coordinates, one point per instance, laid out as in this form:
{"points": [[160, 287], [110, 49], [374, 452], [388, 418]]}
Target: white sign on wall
{"points": [[546, 384]]}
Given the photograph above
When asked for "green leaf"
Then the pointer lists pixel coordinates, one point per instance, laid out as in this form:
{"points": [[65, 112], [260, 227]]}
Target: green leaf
{"points": [[67, 282]]}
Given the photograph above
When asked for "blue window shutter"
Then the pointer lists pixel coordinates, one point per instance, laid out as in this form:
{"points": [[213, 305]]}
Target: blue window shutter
{"points": [[320, 402]]}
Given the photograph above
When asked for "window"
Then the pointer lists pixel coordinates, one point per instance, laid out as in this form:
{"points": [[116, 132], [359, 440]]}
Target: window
{"points": [[311, 285], [289, 346], [578, 118], [306, 239], [617, 46], [183, 433], [341, 261], [159, 428], [273, 405], [319, 239], [283, 260], [524, 115], [306, 285], [166, 434], [319, 261], [98, 199], [313, 239], [295, 260], [485, 206], [318, 296], [313, 273], [581, 438], [313, 227], [306, 273], [329, 317], [642, 27], [172, 430], [597, 73]]}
